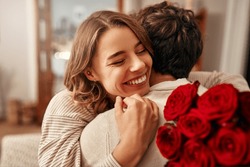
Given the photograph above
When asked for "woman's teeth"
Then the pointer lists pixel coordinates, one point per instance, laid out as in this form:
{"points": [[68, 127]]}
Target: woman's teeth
{"points": [[138, 80]]}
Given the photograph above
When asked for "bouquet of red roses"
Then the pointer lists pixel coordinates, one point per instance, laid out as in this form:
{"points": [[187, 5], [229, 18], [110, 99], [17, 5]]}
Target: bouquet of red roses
{"points": [[208, 130]]}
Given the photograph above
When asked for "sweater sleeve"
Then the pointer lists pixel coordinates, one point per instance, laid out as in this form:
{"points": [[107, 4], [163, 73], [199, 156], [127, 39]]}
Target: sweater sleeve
{"points": [[61, 130], [210, 79]]}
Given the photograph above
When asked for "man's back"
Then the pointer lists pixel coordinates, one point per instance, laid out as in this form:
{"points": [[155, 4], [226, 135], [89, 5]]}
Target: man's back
{"points": [[100, 137]]}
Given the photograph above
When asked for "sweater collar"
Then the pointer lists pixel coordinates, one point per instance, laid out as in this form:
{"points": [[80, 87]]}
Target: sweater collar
{"points": [[169, 85]]}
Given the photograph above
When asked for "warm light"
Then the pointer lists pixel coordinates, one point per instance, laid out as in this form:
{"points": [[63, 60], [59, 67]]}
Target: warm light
{"points": [[62, 55]]}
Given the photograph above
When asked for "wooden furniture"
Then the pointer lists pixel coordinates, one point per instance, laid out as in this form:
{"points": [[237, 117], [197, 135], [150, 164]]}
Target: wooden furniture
{"points": [[45, 75]]}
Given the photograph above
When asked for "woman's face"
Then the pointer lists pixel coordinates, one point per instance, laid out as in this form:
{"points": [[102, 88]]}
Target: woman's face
{"points": [[121, 64]]}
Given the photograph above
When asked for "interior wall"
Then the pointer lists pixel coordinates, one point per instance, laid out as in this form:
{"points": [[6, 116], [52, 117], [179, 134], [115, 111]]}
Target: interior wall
{"points": [[215, 27], [235, 42], [17, 49]]}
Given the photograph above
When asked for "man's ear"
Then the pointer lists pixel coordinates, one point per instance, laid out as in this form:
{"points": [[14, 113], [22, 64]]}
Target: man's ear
{"points": [[89, 74]]}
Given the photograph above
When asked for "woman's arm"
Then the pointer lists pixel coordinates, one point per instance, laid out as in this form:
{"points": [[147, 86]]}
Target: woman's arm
{"points": [[61, 130], [64, 121], [210, 79]]}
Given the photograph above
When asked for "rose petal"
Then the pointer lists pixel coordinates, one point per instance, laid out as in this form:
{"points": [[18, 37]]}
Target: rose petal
{"points": [[194, 125], [219, 103], [169, 141], [229, 146], [196, 154], [180, 100], [244, 105]]}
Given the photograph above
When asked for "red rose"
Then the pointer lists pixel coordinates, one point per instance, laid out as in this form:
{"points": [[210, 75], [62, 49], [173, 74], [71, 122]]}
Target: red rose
{"points": [[194, 125], [219, 103], [246, 160], [180, 101], [196, 154], [229, 146], [173, 164], [244, 105], [169, 141]]}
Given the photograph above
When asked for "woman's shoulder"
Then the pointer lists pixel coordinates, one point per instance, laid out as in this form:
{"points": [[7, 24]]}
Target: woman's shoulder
{"points": [[63, 95], [63, 103]]}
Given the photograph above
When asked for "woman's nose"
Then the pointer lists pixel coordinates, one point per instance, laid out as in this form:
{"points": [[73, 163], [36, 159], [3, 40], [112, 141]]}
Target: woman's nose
{"points": [[137, 63]]}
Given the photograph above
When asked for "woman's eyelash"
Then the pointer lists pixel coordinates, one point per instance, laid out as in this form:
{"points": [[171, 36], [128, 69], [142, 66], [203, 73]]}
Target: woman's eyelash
{"points": [[118, 62]]}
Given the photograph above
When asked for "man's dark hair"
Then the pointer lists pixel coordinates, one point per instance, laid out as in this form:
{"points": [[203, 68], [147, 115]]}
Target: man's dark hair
{"points": [[175, 35]]}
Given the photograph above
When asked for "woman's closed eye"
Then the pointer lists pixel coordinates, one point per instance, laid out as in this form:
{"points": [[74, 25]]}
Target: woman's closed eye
{"points": [[118, 62], [141, 51]]}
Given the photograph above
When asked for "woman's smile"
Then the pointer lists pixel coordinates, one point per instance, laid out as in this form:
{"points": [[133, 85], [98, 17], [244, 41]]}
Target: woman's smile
{"points": [[140, 80]]}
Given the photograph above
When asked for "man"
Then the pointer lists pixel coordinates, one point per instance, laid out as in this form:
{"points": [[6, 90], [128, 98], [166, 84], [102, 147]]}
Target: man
{"points": [[177, 43]]}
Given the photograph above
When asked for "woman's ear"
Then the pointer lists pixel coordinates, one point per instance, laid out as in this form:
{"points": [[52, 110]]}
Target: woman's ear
{"points": [[88, 73]]}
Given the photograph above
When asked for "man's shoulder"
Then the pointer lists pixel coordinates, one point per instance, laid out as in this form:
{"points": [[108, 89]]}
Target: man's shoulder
{"points": [[98, 128], [106, 114], [103, 118], [99, 125]]}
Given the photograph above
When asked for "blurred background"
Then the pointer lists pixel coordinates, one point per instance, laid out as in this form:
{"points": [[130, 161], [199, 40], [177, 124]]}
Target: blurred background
{"points": [[36, 37]]}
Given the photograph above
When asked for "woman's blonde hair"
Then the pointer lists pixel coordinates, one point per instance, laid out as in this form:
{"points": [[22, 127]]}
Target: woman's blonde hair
{"points": [[88, 93]]}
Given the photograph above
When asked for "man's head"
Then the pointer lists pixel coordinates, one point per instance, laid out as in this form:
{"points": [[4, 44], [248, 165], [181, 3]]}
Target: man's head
{"points": [[175, 35]]}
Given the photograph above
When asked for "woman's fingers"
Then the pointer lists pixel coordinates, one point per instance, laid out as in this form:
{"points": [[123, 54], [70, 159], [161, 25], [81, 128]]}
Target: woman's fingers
{"points": [[140, 117], [118, 105], [146, 104], [153, 108]]}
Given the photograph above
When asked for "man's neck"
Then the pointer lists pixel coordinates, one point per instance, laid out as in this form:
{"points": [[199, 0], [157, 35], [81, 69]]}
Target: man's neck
{"points": [[158, 78]]}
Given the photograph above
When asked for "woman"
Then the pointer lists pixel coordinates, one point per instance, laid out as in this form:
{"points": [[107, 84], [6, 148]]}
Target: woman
{"points": [[110, 57]]}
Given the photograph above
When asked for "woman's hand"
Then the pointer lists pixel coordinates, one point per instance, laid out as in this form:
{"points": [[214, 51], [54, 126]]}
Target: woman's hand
{"points": [[137, 121], [137, 115]]}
